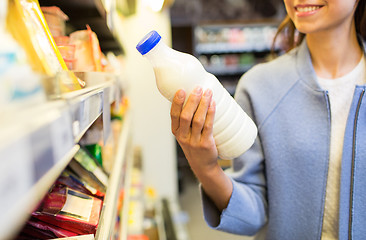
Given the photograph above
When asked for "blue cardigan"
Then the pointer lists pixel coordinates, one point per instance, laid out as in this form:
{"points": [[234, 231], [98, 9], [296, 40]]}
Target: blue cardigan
{"points": [[279, 183]]}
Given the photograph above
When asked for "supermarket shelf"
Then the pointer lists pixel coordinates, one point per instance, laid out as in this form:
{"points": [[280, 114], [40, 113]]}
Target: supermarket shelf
{"points": [[216, 48], [235, 38], [17, 212], [87, 105], [126, 199], [37, 144], [85, 109], [109, 210], [35, 147]]}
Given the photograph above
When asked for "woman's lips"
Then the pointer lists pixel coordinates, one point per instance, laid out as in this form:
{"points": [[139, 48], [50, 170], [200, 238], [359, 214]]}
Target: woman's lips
{"points": [[307, 10]]}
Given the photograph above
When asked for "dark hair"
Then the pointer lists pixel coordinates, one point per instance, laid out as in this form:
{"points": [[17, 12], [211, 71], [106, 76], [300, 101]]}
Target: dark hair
{"points": [[291, 37]]}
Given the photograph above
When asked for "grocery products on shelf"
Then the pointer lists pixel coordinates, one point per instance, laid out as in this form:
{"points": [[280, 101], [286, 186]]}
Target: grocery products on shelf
{"points": [[37, 229], [73, 180], [80, 237], [60, 187], [41, 128], [235, 38], [56, 20], [98, 14], [232, 49], [70, 210], [20, 86], [50, 51], [28, 26], [88, 170], [142, 205], [87, 51], [73, 204]]}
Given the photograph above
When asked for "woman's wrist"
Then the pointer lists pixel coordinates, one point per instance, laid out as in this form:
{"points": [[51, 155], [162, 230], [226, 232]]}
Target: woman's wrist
{"points": [[216, 184]]}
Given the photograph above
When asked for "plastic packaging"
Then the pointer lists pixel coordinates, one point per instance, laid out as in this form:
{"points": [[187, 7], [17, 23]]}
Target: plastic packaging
{"points": [[234, 131], [55, 19], [70, 210], [20, 87], [87, 50], [28, 26]]}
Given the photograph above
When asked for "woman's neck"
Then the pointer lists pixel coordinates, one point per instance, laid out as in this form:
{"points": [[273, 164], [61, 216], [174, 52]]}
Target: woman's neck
{"points": [[334, 54]]}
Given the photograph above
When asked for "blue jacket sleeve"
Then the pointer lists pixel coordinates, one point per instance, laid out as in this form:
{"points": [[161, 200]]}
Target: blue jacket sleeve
{"points": [[246, 212]]}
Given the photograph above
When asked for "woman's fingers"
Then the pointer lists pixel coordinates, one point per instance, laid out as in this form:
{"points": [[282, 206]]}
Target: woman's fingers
{"points": [[188, 111], [210, 117], [175, 110], [193, 121], [200, 116]]}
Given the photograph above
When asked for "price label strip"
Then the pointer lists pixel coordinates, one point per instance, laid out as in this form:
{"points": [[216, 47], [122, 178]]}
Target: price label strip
{"points": [[106, 115]]}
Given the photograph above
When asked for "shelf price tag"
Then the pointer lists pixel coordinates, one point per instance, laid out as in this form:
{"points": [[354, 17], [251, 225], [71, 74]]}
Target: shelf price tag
{"points": [[84, 111], [42, 151], [106, 115], [62, 136], [95, 106], [84, 117]]}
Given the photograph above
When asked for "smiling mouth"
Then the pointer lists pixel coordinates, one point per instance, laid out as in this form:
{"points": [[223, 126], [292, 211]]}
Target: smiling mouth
{"points": [[307, 8]]}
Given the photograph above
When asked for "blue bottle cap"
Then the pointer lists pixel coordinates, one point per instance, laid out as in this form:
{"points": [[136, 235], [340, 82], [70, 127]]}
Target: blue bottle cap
{"points": [[148, 42]]}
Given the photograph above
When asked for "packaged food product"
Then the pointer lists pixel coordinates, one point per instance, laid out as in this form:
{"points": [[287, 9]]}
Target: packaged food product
{"points": [[95, 150], [28, 26], [91, 165], [62, 40], [55, 19], [30, 232], [43, 227], [70, 210], [87, 50], [70, 63], [80, 237], [67, 51], [20, 86], [71, 180], [88, 170]]}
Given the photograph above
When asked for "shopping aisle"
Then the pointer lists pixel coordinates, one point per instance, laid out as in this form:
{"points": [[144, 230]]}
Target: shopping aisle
{"points": [[190, 203]]}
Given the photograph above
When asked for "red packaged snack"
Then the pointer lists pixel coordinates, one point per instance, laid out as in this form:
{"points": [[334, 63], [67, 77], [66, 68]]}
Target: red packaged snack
{"points": [[72, 181], [43, 226], [70, 210], [30, 232]]}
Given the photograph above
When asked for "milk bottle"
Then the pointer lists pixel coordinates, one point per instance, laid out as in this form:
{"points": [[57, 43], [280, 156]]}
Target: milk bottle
{"points": [[233, 130]]}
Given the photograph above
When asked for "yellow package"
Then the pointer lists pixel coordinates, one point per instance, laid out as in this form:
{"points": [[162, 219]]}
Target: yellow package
{"points": [[26, 23]]}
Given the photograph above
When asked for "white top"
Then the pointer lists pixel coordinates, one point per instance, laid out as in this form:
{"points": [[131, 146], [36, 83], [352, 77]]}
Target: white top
{"points": [[340, 91]]}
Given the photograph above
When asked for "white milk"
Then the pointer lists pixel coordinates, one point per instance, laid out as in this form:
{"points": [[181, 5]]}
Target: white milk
{"points": [[234, 131]]}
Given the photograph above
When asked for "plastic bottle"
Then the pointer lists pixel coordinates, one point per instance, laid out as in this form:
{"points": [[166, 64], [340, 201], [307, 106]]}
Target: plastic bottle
{"points": [[233, 130]]}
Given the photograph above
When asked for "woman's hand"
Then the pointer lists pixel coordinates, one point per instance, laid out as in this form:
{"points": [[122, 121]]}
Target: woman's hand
{"points": [[192, 126]]}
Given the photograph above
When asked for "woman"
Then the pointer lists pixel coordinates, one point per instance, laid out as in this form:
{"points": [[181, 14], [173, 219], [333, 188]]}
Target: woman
{"points": [[305, 176]]}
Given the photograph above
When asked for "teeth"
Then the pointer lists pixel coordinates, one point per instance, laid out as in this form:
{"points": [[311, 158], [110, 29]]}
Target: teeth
{"points": [[307, 9]]}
